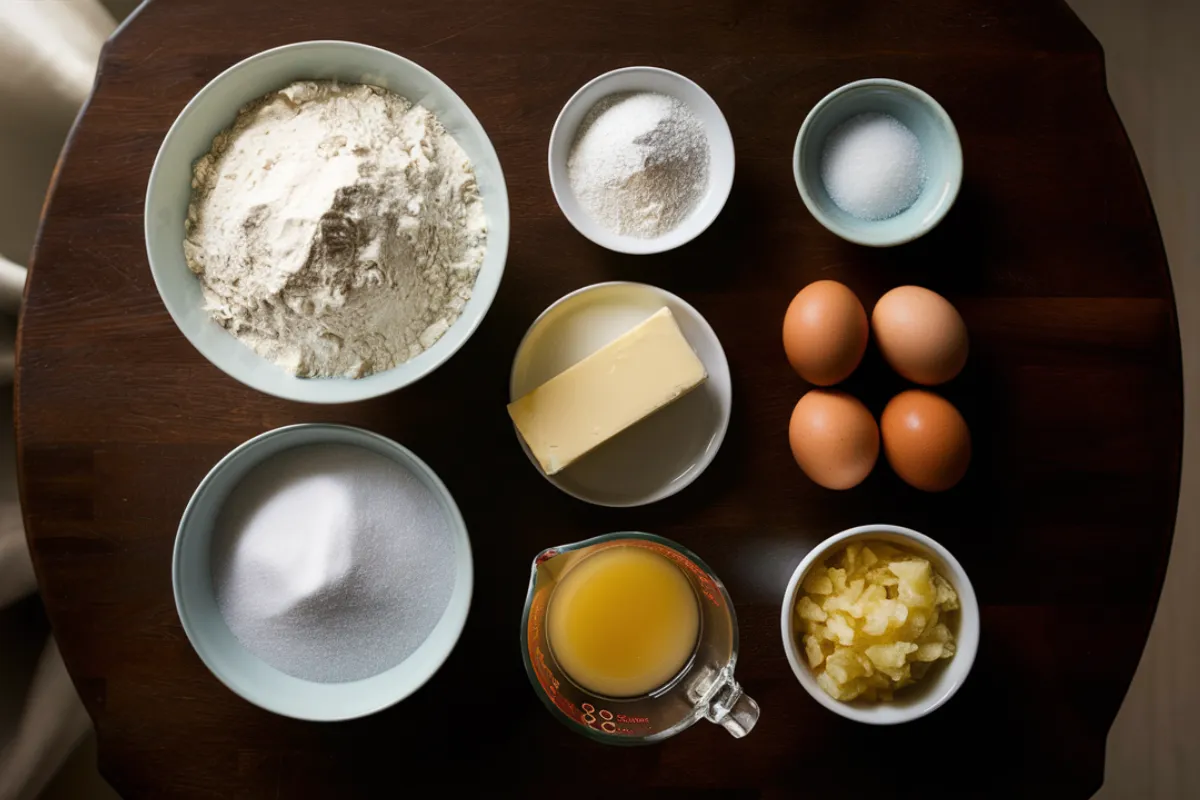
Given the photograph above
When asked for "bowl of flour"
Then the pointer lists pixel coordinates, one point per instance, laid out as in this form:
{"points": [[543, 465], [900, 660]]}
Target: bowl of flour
{"points": [[322, 572], [641, 160], [327, 222]]}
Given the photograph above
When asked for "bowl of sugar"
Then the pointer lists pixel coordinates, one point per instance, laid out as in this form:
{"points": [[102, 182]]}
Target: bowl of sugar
{"points": [[878, 162], [641, 160], [322, 572]]}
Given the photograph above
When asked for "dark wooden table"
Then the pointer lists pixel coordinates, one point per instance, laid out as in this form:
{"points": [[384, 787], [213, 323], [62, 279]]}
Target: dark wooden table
{"points": [[1073, 392]]}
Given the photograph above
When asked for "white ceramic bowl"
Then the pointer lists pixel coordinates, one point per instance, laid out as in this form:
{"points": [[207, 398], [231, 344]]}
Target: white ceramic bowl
{"points": [[643, 79], [943, 679], [214, 109], [663, 453], [248, 675]]}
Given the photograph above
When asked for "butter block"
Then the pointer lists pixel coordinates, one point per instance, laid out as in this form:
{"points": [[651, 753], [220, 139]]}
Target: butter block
{"points": [[625, 381]]}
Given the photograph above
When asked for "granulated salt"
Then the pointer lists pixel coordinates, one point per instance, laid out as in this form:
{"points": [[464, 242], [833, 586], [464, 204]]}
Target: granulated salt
{"points": [[872, 166], [332, 563], [639, 163]]}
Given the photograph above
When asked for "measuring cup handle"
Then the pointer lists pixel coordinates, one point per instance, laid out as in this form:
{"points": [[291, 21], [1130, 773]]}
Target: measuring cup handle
{"points": [[732, 709]]}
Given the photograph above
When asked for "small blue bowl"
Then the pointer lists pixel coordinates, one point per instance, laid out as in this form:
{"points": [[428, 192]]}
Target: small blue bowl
{"points": [[924, 116]]}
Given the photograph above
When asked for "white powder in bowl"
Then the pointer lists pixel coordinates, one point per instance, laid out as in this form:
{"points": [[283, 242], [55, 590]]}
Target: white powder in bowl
{"points": [[332, 563], [337, 229], [873, 166], [639, 163]]}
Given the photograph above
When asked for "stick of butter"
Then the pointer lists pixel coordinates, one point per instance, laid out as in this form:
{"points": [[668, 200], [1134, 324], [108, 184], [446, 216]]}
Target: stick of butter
{"points": [[622, 383]]}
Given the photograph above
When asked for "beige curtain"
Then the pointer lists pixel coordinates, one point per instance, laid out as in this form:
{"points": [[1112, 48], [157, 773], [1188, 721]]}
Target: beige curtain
{"points": [[48, 53]]}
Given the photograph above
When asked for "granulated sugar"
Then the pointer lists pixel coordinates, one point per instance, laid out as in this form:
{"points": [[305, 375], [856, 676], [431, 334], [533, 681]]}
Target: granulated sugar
{"points": [[873, 166], [332, 563], [639, 163]]}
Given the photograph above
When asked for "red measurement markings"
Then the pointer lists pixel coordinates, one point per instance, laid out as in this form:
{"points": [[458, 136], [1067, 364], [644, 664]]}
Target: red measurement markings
{"points": [[632, 720], [707, 587]]}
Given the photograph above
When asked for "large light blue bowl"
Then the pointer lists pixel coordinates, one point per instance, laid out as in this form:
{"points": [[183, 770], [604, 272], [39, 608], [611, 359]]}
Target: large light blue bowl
{"points": [[248, 675], [214, 109], [924, 116]]}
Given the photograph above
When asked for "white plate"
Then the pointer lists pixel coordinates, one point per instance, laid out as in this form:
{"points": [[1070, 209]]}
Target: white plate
{"points": [[663, 453], [213, 109], [643, 79]]}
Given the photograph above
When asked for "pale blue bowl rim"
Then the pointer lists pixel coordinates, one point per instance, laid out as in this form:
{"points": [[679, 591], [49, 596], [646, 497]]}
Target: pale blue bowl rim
{"points": [[287, 431], [955, 154]]}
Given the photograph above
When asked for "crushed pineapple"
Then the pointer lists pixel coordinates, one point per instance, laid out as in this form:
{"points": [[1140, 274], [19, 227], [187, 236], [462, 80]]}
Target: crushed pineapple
{"points": [[871, 621]]}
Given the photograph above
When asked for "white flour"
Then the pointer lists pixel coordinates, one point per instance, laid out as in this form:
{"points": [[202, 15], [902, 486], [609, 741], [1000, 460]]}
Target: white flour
{"points": [[336, 229], [639, 163]]}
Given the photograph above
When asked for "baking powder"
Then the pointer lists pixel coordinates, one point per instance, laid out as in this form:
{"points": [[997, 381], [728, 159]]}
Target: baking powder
{"points": [[639, 164]]}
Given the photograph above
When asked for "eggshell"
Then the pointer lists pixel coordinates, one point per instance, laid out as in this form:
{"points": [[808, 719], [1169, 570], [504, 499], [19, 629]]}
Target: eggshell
{"points": [[920, 334], [834, 438], [825, 332], [925, 440]]}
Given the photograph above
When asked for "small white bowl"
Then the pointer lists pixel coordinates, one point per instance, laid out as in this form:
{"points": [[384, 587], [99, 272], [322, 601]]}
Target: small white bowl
{"points": [[942, 680], [663, 453], [643, 79], [245, 673], [212, 110]]}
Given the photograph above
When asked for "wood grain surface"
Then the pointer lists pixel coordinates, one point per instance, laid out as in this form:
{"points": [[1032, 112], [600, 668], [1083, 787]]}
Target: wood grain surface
{"points": [[1073, 392]]}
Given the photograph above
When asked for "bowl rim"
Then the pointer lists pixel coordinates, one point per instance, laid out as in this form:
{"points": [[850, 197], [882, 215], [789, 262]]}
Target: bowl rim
{"points": [[718, 439], [944, 205], [342, 434], [498, 236], [632, 245], [964, 657]]}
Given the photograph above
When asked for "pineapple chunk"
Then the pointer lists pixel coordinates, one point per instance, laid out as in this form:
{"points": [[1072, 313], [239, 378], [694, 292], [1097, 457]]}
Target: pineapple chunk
{"points": [[947, 598], [807, 609], [882, 576], [869, 599], [831, 687], [842, 631], [838, 578], [815, 653], [915, 585], [890, 655], [817, 582], [850, 560], [868, 558], [845, 599], [930, 651]]}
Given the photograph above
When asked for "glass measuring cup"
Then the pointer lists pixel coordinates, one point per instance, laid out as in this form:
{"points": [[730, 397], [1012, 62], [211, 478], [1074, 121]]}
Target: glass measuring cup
{"points": [[704, 689]]}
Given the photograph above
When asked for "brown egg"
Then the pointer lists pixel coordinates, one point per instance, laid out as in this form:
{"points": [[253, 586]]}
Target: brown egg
{"points": [[825, 332], [920, 335], [925, 440], [834, 438]]}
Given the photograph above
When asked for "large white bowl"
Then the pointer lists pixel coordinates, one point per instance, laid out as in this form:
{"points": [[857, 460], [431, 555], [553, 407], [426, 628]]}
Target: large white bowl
{"points": [[214, 109], [245, 673], [943, 679]]}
